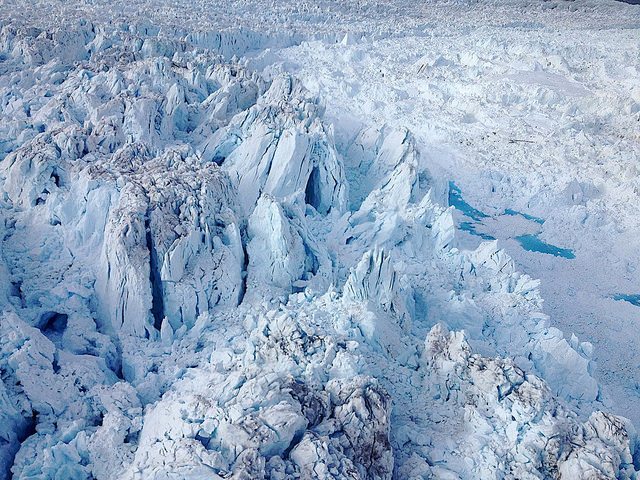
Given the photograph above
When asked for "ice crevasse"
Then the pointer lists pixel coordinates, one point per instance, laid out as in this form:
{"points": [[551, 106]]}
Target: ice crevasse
{"points": [[197, 283]]}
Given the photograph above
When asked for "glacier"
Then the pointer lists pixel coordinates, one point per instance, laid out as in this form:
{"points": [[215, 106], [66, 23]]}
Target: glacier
{"points": [[210, 268]]}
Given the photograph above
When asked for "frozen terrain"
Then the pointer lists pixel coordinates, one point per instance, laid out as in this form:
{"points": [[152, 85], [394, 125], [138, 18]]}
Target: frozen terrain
{"points": [[335, 240]]}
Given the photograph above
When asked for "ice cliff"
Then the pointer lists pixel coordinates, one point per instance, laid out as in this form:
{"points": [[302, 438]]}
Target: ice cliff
{"points": [[197, 283]]}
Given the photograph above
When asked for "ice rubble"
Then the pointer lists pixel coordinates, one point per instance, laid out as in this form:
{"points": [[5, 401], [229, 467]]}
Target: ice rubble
{"points": [[196, 283]]}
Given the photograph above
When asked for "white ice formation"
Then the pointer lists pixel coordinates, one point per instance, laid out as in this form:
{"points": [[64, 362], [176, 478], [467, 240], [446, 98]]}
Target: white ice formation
{"points": [[196, 283]]}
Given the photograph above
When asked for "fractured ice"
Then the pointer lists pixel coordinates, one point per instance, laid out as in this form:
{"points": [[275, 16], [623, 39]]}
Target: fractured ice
{"points": [[196, 283]]}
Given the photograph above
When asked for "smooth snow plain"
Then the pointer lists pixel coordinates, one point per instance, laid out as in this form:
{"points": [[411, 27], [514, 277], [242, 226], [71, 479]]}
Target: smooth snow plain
{"points": [[319, 240]]}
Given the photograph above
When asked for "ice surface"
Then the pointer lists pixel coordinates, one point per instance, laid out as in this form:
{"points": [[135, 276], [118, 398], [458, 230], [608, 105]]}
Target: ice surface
{"points": [[208, 270], [480, 91]]}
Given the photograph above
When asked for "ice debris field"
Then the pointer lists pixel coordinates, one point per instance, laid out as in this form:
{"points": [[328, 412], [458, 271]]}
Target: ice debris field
{"points": [[319, 240]]}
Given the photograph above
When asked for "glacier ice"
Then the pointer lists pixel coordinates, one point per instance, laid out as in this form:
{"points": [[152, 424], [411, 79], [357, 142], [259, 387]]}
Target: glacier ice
{"points": [[198, 282]]}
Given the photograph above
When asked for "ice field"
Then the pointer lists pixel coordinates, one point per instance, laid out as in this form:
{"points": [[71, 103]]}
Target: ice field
{"points": [[335, 240]]}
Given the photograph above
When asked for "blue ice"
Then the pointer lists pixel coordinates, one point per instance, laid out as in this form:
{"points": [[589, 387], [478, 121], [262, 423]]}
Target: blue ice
{"points": [[532, 243]]}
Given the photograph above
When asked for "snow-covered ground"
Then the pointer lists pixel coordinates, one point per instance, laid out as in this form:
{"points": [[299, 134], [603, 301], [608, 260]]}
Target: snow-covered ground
{"points": [[303, 240]]}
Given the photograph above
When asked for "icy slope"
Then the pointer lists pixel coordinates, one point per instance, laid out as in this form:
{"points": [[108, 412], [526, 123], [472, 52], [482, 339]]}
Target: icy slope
{"points": [[199, 282]]}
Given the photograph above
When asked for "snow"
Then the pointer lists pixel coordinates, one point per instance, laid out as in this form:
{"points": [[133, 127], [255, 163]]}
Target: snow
{"points": [[328, 240]]}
